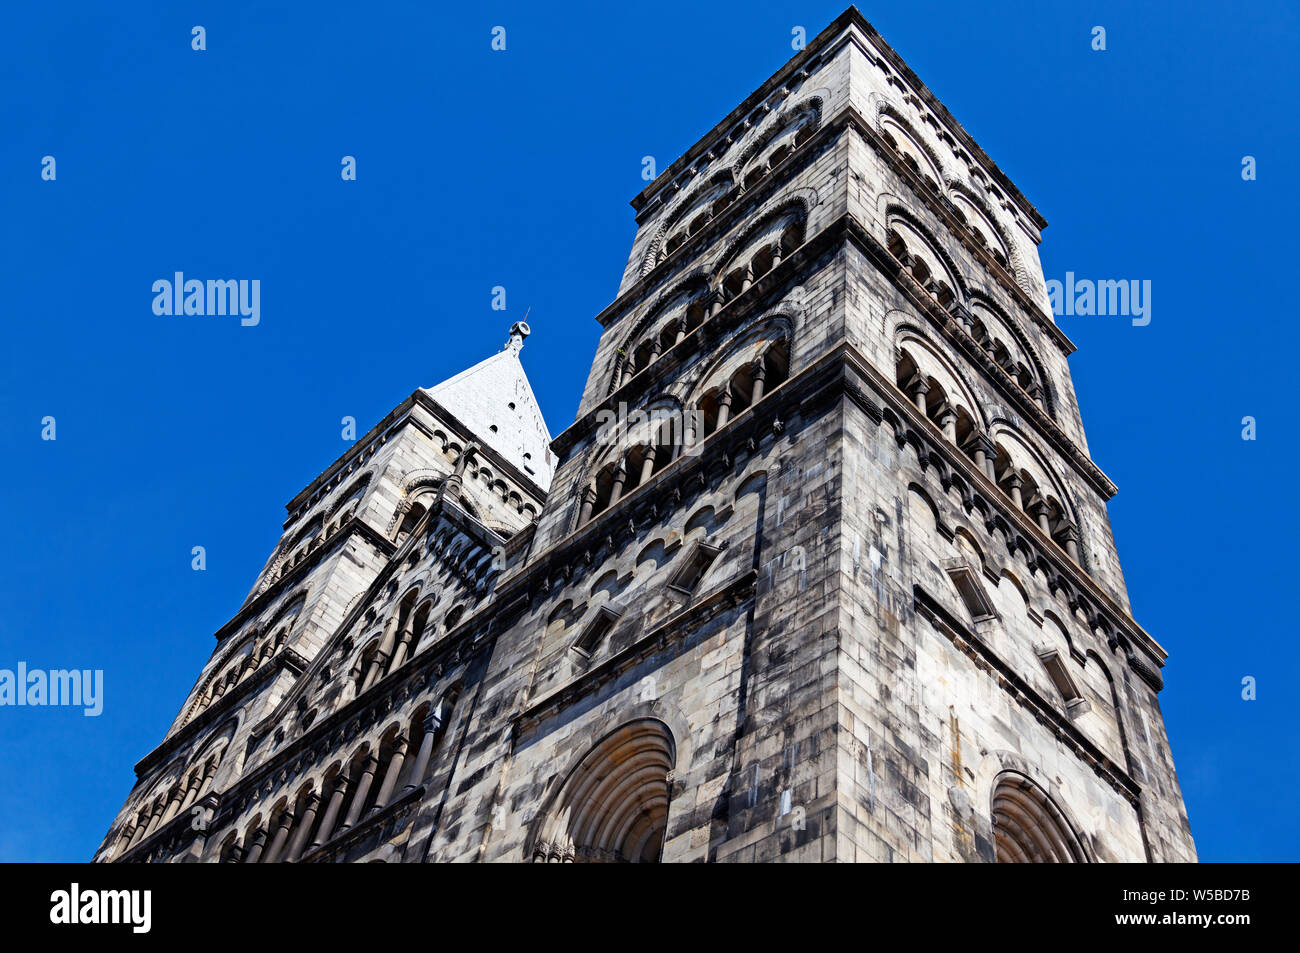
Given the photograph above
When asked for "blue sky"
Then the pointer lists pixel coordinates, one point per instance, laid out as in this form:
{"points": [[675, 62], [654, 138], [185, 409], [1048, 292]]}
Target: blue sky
{"points": [[478, 169]]}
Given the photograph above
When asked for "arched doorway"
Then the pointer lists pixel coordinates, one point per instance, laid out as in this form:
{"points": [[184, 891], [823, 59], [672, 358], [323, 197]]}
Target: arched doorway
{"points": [[1028, 827], [613, 807]]}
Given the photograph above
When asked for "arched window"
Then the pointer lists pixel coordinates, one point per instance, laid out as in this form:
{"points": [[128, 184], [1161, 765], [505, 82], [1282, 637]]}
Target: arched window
{"points": [[613, 807], [1028, 827]]}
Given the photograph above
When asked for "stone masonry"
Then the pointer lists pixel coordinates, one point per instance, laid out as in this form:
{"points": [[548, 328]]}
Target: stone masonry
{"points": [[822, 571]]}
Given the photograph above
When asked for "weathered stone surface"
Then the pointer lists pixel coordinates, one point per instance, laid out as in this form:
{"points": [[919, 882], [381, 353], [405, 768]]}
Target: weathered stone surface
{"points": [[831, 630]]}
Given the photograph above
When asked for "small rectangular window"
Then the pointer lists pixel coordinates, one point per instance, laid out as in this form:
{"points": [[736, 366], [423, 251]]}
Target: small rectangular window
{"points": [[596, 631], [972, 593], [687, 578], [1060, 677]]}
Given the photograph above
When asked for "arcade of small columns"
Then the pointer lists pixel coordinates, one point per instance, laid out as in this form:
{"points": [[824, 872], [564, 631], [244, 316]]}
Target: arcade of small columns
{"points": [[346, 797], [728, 193], [176, 799], [992, 459], [634, 466], [238, 671], [763, 258], [937, 288], [387, 653]]}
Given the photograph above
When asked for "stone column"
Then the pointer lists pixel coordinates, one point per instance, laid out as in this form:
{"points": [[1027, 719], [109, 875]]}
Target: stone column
{"points": [[724, 406], [1070, 536], [620, 477], [948, 421], [209, 771], [648, 463], [156, 816], [392, 772], [681, 326], [259, 843], [919, 389], [363, 790], [776, 255], [331, 811], [138, 833], [627, 369], [432, 725], [404, 643], [656, 347], [379, 662], [1037, 508], [588, 501], [281, 836], [1014, 484], [759, 375], [306, 819], [985, 454], [173, 804], [192, 789], [748, 281]]}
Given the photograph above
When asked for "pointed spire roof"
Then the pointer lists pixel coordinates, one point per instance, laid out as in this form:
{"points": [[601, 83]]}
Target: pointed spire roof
{"points": [[495, 401]]}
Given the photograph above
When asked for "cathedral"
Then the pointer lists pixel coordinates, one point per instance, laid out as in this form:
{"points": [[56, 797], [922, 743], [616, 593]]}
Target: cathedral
{"points": [[821, 571]]}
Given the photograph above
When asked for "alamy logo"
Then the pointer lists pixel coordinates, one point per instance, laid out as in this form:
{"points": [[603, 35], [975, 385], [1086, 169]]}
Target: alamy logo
{"points": [[213, 297], [59, 687], [1105, 298], [75, 906], [679, 429]]}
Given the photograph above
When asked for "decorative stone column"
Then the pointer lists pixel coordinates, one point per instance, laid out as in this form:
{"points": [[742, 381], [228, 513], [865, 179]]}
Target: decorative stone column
{"points": [[724, 406], [919, 389], [1070, 537], [759, 374], [1014, 485], [281, 836], [192, 789], [306, 819], [776, 256], [363, 790], [648, 463], [432, 725], [138, 833], [748, 281], [331, 811], [985, 454], [259, 844], [620, 477], [588, 501], [392, 772], [1037, 508], [404, 643], [948, 422], [379, 663], [156, 816]]}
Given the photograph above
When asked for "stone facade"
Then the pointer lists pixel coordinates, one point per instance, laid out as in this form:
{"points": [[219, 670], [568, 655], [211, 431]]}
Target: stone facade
{"points": [[822, 571]]}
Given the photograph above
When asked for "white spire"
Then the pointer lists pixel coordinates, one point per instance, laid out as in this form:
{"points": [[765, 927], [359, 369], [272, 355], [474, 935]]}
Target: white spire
{"points": [[495, 401]]}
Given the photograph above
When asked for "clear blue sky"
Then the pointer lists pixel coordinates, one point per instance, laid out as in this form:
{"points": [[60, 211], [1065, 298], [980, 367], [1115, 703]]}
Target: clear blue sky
{"points": [[478, 169]]}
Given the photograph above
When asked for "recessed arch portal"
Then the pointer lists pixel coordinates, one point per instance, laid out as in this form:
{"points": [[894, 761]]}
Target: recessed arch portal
{"points": [[613, 807], [1028, 827]]}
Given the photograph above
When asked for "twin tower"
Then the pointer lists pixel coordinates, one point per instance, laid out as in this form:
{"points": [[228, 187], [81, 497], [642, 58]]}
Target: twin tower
{"points": [[822, 571]]}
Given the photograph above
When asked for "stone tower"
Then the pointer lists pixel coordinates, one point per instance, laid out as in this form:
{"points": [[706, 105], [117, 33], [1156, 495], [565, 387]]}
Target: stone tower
{"points": [[821, 571]]}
